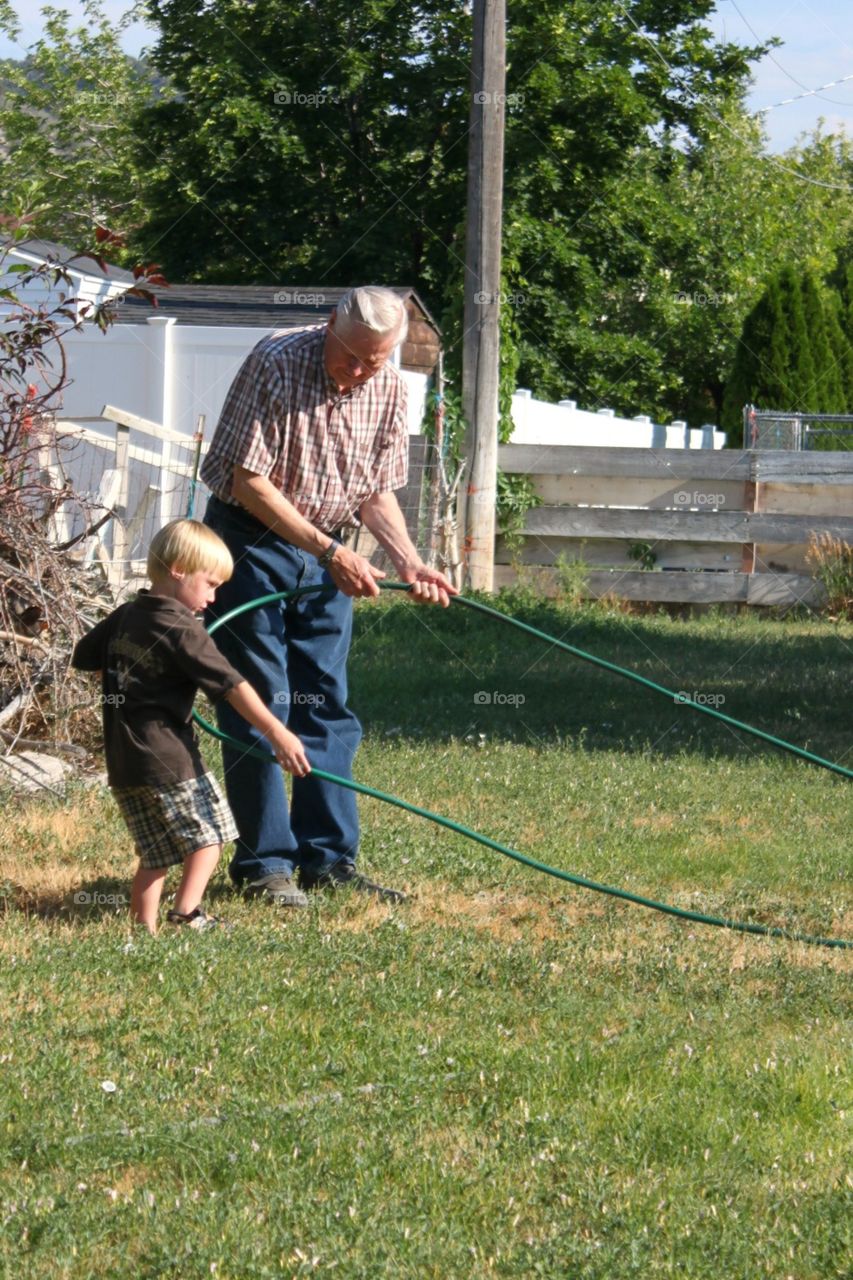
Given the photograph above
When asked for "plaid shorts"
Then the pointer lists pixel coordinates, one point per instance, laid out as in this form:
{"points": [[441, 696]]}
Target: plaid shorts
{"points": [[169, 823]]}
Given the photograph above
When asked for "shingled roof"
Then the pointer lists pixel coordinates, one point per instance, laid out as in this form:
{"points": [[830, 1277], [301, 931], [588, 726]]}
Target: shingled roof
{"points": [[259, 306], [35, 250]]}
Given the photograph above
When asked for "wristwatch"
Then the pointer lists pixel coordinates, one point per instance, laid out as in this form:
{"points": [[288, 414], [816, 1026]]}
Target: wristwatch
{"points": [[328, 555]]}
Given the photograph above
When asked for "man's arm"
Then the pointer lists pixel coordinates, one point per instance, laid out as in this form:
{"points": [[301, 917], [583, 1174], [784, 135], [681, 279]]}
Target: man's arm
{"points": [[382, 516], [350, 572]]}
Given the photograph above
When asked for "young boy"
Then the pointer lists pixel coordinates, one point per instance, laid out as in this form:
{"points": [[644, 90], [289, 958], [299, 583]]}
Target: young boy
{"points": [[154, 655]]}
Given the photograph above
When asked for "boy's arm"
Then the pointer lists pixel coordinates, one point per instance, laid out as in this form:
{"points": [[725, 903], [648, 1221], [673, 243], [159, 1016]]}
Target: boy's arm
{"points": [[289, 751], [88, 652]]}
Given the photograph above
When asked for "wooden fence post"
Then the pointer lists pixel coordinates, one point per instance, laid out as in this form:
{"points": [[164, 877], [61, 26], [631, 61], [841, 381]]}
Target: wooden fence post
{"points": [[120, 523]]}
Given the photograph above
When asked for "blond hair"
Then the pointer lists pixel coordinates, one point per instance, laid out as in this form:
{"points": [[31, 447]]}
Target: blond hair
{"points": [[190, 546]]}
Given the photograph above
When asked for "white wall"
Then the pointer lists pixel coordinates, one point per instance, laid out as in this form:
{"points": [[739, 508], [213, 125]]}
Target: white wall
{"points": [[537, 422], [171, 373]]}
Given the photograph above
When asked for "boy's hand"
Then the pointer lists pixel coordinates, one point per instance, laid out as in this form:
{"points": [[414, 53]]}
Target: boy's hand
{"points": [[289, 751]]}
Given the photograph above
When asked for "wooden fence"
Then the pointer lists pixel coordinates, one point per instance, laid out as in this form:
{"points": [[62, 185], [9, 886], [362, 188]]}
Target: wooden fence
{"points": [[136, 472], [722, 525], [140, 475]]}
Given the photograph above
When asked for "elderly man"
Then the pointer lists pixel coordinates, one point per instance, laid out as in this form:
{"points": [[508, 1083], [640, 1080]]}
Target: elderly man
{"points": [[312, 440]]}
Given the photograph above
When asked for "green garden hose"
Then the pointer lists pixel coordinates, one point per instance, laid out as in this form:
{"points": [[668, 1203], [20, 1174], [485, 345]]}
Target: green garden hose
{"points": [[697, 917]]}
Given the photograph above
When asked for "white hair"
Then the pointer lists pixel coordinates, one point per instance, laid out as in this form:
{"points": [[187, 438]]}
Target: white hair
{"points": [[375, 308]]}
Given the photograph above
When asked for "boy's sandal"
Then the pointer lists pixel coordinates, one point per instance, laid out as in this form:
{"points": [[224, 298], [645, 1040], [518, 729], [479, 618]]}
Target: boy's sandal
{"points": [[196, 920]]}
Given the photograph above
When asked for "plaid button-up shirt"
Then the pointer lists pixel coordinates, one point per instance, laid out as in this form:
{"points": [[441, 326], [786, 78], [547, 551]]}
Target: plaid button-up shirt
{"points": [[326, 451]]}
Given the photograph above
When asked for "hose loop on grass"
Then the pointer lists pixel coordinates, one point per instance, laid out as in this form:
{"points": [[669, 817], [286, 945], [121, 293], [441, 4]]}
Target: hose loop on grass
{"points": [[698, 917]]}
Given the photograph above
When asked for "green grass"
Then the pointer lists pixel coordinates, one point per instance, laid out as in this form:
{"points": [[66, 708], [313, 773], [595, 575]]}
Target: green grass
{"points": [[507, 1076]]}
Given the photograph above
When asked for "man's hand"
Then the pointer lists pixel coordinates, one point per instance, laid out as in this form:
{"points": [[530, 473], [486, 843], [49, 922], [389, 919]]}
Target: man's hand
{"points": [[428, 585], [353, 575], [382, 515]]}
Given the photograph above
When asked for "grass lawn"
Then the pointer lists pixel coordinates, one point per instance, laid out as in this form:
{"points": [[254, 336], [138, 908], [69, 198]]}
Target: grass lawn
{"points": [[506, 1076]]}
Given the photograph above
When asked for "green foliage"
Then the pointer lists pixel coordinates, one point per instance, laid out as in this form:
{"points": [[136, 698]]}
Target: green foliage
{"points": [[793, 353], [516, 496], [327, 142], [67, 119], [308, 141], [572, 577], [642, 554], [832, 559], [372, 104]]}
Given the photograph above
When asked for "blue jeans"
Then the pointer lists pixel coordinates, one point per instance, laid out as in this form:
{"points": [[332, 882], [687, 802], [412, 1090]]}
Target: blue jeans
{"points": [[294, 654]]}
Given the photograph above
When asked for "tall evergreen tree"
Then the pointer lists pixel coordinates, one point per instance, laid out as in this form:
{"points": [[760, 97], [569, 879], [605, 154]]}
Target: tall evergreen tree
{"points": [[793, 354], [841, 286], [823, 332]]}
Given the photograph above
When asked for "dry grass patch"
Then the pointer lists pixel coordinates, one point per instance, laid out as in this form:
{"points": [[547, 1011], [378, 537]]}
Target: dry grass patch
{"points": [[657, 821], [456, 1148], [508, 917]]}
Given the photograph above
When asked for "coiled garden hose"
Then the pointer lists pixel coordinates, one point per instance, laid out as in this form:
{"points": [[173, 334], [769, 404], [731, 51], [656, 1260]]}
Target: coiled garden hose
{"points": [[681, 913]]}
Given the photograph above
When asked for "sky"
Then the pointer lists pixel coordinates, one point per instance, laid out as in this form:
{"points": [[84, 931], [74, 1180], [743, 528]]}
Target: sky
{"points": [[817, 49]]}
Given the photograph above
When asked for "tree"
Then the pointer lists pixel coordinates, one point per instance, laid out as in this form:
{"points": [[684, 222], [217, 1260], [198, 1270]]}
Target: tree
{"points": [[728, 216], [305, 138], [66, 115], [308, 141], [792, 354], [840, 283], [324, 141]]}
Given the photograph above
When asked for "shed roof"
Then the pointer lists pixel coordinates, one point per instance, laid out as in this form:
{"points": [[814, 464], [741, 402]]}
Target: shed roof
{"points": [[255, 306], [35, 250]]}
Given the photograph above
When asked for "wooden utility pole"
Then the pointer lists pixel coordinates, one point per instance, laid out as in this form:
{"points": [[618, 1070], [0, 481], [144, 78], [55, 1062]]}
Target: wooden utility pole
{"points": [[481, 345]]}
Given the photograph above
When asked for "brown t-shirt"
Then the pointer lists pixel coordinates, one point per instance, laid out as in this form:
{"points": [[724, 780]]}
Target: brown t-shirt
{"points": [[154, 655]]}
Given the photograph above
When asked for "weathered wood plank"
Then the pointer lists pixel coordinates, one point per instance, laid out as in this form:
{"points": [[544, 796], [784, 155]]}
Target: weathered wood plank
{"points": [[74, 433], [796, 467], [658, 494], [685, 588], [132, 420], [672, 588], [693, 526], [803, 499], [608, 553], [763, 465], [679, 466], [785, 589]]}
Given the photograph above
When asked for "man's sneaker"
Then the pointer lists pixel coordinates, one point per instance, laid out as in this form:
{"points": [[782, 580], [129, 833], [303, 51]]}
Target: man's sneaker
{"points": [[344, 875], [197, 919], [279, 888]]}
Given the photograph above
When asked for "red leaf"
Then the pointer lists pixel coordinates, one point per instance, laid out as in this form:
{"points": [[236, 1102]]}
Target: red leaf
{"points": [[96, 257]]}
